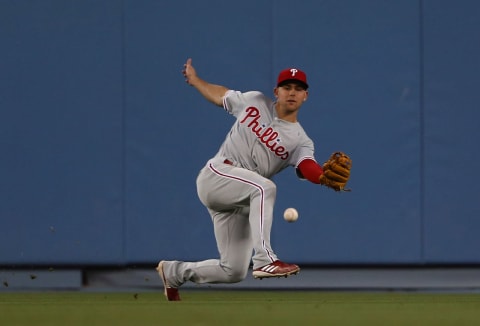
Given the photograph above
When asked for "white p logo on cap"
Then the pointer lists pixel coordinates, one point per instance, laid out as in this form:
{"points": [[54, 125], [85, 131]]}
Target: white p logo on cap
{"points": [[293, 71]]}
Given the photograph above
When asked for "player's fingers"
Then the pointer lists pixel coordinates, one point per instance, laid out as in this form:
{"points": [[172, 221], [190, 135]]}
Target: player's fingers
{"points": [[187, 64]]}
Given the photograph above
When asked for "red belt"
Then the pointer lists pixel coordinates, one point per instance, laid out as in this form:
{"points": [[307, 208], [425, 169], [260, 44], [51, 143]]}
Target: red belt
{"points": [[228, 162]]}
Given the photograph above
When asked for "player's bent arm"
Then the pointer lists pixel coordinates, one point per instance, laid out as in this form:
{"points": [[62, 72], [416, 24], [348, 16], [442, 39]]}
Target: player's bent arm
{"points": [[310, 170], [213, 93]]}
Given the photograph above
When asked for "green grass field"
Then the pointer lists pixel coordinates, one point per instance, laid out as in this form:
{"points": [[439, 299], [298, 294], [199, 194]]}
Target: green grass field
{"points": [[239, 308]]}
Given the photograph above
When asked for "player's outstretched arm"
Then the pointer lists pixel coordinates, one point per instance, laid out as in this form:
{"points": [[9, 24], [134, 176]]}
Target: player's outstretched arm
{"points": [[213, 93]]}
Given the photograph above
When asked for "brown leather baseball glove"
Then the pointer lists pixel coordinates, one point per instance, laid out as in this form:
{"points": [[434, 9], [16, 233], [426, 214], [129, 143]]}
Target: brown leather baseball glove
{"points": [[336, 171]]}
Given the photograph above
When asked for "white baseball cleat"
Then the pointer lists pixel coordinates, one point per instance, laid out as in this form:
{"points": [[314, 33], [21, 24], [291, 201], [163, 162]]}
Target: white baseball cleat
{"points": [[276, 269]]}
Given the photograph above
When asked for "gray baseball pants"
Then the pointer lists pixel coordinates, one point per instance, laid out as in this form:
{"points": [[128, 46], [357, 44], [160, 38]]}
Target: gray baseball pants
{"points": [[240, 203]]}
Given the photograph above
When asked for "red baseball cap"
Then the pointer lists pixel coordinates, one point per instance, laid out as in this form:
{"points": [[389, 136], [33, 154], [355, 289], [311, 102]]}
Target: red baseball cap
{"points": [[292, 75]]}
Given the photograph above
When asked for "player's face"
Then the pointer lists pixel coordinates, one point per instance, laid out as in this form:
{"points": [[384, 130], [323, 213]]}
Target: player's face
{"points": [[291, 96]]}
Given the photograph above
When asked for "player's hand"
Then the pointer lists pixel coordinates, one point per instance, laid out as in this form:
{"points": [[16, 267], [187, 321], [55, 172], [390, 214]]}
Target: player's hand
{"points": [[189, 72]]}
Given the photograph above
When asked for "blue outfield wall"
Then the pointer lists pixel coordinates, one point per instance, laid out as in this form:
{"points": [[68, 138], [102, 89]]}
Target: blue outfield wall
{"points": [[102, 140]]}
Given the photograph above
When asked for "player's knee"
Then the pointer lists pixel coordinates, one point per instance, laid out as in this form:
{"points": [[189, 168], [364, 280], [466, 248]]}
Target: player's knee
{"points": [[236, 275], [269, 188]]}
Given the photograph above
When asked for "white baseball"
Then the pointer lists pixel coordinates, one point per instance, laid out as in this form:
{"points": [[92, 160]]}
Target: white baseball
{"points": [[290, 214]]}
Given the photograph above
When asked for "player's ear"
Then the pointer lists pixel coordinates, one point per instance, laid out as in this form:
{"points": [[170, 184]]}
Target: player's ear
{"points": [[306, 96], [275, 91]]}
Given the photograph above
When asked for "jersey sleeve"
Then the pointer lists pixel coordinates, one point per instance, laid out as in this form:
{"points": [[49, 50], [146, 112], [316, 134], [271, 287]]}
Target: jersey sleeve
{"points": [[235, 102], [303, 152]]}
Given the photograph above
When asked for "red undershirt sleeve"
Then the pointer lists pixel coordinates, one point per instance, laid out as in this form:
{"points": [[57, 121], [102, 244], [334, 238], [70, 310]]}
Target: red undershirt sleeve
{"points": [[310, 170]]}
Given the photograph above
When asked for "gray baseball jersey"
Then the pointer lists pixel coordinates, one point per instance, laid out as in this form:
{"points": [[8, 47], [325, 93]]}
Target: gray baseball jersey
{"points": [[259, 141]]}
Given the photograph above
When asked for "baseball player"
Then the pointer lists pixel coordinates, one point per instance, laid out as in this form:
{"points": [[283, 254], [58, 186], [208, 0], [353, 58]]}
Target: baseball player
{"points": [[235, 185]]}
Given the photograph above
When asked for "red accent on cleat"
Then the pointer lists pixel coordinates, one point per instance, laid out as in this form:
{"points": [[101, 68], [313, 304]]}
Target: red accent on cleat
{"points": [[172, 294]]}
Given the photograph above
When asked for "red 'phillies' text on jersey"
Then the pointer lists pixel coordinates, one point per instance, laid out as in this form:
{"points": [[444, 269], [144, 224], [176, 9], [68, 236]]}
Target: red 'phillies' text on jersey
{"points": [[267, 136]]}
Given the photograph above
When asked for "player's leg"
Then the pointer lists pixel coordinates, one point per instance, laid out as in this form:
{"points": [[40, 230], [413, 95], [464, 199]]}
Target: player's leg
{"points": [[225, 190], [230, 186], [235, 186], [232, 232], [234, 241]]}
